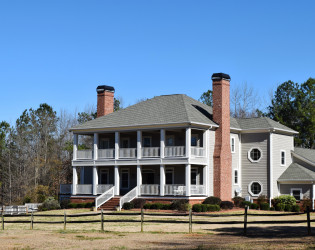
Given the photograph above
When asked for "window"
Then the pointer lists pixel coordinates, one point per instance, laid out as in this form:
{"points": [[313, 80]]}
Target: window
{"points": [[148, 176], [297, 193], [125, 178], [125, 143], [170, 141], [147, 141], [195, 142], [255, 188], [169, 176], [194, 176], [254, 154], [104, 176], [235, 177], [232, 144], [282, 158], [104, 143]]}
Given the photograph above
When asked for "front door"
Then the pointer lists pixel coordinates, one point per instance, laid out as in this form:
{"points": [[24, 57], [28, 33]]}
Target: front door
{"points": [[124, 181], [104, 178]]}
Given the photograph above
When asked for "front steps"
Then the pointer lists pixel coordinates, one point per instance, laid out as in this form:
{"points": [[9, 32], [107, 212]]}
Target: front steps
{"points": [[111, 204]]}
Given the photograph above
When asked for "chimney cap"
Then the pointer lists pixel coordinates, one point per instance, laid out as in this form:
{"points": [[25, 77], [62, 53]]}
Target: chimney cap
{"points": [[102, 88], [220, 76]]}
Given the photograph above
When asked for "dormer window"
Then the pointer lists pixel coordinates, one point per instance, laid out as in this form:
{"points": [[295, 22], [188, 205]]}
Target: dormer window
{"points": [[255, 154]]}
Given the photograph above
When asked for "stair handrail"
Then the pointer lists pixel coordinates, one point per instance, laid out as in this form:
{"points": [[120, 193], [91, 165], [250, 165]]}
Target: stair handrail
{"points": [[104, 197], [132, 194]]}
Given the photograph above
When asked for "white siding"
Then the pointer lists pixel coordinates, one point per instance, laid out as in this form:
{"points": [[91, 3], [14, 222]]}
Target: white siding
{"points": [[280, 142], [211, 150], [235, 162]]}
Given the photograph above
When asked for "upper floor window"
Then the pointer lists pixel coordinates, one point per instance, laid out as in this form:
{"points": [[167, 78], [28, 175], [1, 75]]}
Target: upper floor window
{"points": [[147, 141], [235, 177], [195, 142], [282, 157], [232, 144], [254, 154], [125, 143], [104, 143], [170, 140]]}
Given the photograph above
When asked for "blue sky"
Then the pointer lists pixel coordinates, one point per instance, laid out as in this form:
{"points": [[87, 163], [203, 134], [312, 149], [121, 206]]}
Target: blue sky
{"points": [[58, 52]]}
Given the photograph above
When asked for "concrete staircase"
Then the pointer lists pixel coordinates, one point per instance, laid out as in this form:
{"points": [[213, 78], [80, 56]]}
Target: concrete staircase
{"points": [[111, 204]]}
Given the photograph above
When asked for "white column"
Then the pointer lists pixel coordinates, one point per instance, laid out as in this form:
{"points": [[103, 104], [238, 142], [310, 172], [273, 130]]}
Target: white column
{"points": [[95, 147], [188, 142], [139, 179], [162, 143], [116, 180], [95, 180], [162, 180], [74, 180], [188, 179], [116, 145], [82, 175], [139, 139], [75, 146], [205, 179], [271, 169], [313, 197]]}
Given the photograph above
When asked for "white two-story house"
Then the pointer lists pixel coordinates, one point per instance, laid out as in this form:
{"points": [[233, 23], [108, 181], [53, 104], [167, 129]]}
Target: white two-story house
{"points": [[174, 147]]}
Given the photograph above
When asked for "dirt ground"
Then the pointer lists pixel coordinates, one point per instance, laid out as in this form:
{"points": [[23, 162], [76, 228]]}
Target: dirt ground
{"points": [[157, 235]]}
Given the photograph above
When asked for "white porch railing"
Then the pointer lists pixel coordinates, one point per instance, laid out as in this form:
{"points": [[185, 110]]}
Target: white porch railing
{"points": [[150, 189], [13, 210], [198, 151], [106, 196], [85, 154], [65, 188], [106, 153], [127, 153], [175, 189], [197, 190], [174, 151], [101, 188], [132, 194], [84, 188], [150, 152]]}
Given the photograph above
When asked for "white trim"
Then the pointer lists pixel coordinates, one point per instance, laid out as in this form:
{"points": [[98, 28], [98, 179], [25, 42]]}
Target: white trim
{"points": [[285, 162], [233, 144], [250, 191], [297, 189], [240, 160], [121, 174], [147, 137], [249, 157]]}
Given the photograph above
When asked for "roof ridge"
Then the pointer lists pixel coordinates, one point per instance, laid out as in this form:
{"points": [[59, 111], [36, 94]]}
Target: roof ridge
{"points": [[184, 103]]}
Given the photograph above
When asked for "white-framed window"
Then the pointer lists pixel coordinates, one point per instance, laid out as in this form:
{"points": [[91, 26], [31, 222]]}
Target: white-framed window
{"points": [[147, 141], [169, 176], [125, 178], [104, 176], [255, 188], [233, 144], [235, 176], [255, 154], [125, 142], [297, 193], [195, 141], [104, 143], [282, 157], [170, 140]]}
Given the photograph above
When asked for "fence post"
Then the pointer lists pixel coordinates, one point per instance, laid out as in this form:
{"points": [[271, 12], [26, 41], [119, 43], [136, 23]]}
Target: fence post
{"points": [[32, 218], [102, 220], [64, 221], [2, 218], [190, 221], [142, 218], [245, 220], [308, 220]]}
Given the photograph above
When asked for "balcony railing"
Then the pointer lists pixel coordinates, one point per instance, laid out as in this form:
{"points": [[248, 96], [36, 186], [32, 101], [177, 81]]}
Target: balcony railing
{"points": [[175, 189], [198, 151], [84, 154], [148, 152], [106, 153], [150, 189], [65, 188], [197, 190], [101, 188], [84, 188], [174, 151], [127, 153]]}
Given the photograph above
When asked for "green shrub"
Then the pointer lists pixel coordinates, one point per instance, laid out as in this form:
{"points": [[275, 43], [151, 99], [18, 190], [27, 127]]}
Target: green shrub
{"points": [[212, 200], [27, 199], [180, 205], [237, 201], [280, 207], [157, 206], [166, 207], [296, 208], [127, 206], [306, 202], [212, 208], [264, 206], [285, 199], [244, 203], [226, 205], [197, 208], [147, 206], [49, 204], [80, 205], [262, 199], [138, 203], [64, 203], [287, 208], [254, 206], [272, 209], [204, 207]]}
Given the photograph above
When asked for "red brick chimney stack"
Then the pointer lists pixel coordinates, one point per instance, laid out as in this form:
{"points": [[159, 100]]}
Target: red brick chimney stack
{"points": [[222, 158], [105, 100]]}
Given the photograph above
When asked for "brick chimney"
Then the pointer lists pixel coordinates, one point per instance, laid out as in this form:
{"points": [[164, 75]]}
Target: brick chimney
{"points": [[105, 100], [222, 158]]}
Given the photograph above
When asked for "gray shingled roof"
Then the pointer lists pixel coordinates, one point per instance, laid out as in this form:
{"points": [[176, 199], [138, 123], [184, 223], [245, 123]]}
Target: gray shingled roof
{"points": [[160, 110], [296, 172], [306, 153]]}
